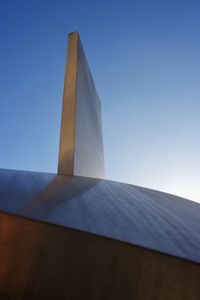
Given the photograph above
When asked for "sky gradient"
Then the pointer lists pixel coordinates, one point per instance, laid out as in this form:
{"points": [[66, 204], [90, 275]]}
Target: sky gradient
{"points": [[145, 61]]}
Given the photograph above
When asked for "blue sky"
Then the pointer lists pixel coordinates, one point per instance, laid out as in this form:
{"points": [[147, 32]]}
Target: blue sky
{"points": [[145, 60]]}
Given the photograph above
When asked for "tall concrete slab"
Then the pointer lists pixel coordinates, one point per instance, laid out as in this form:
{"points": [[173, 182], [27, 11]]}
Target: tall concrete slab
{"points": [[81, 143]]}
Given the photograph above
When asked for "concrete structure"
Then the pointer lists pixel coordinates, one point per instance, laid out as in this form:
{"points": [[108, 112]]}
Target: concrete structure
{"points": [[64, 236], [81, 144]]}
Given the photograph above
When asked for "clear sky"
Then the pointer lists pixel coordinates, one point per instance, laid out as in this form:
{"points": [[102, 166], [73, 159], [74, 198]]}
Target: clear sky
{"points": [[145, 61]]}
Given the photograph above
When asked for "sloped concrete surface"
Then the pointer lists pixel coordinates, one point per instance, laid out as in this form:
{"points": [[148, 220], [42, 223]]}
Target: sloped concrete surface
{"points": [[127, 213]]}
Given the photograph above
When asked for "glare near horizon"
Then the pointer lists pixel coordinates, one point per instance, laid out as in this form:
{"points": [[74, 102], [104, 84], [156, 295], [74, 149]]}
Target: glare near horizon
{"points": [[145, 61]]}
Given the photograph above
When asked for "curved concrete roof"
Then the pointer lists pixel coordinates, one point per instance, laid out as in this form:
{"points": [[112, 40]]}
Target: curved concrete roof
{"points": [[132, 214]]}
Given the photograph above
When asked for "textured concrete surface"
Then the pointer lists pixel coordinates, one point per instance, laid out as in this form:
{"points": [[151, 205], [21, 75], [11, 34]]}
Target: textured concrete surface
{"points": [[41, 261], [132, 214]]}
